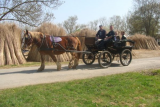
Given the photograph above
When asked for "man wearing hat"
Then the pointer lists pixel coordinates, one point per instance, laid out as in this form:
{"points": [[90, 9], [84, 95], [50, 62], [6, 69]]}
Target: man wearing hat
{"points": [[101, 34]]}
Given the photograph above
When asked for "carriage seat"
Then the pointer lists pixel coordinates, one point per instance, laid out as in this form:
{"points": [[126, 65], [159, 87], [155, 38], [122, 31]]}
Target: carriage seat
{"points": [[122, 43]]}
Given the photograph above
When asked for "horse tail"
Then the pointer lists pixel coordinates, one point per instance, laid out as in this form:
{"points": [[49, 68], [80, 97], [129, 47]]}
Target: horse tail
{"points": [[79, 47]]}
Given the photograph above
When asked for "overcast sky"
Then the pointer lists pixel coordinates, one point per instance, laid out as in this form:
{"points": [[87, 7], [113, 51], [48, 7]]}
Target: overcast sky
{"points": [[89, 10]]}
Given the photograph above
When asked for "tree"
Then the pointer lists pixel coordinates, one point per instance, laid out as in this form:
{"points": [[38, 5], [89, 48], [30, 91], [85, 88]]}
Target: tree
{"points": [[124, 24], [71, 24], [103, 21], [145, 17], [116, 22], [31, 12], [93, 25]]}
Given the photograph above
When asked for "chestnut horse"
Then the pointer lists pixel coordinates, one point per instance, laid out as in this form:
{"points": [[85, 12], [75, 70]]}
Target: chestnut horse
{"points": [[46, 47]]}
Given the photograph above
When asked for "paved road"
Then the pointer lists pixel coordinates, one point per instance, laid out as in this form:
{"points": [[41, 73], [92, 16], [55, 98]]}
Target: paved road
{"points": [[16, 77]]}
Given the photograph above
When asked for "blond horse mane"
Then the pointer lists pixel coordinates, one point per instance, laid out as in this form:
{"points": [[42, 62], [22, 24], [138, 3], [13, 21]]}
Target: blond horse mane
{"points": [[36, 34]]}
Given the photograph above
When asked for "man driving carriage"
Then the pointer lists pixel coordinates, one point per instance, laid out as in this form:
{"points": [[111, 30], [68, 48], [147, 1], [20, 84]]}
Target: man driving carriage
{"points": [[105, 40], [101, 34]]}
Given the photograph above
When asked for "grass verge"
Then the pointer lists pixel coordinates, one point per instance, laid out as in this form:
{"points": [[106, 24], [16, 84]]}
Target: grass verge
{"points": [[121, 90]]}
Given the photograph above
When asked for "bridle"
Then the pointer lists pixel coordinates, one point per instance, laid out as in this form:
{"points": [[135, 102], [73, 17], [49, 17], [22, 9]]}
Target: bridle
{"points": [[29, 38], [26, 38]]}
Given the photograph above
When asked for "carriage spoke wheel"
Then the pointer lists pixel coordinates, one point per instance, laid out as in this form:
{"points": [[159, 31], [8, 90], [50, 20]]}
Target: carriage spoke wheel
{"points": [[88, 58], [105, 59], [126, 57], [113, 55]]}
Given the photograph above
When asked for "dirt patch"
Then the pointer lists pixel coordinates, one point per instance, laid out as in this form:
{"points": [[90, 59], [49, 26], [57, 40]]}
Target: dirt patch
{"points": [[143, 53]]}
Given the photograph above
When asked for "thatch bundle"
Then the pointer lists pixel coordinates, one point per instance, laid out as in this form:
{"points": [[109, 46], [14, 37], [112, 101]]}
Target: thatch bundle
{"points": [[144, 42], [82, 34], [10, 45], [51, 29]]}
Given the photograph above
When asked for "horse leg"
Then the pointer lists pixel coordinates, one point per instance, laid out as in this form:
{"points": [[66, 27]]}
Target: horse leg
{"points": [[76, 60], [57, 62], [71, 63], [42, 63], [77, 56]]}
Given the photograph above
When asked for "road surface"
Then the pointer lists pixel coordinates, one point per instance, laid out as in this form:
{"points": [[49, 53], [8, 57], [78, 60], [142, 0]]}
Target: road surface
{"points": [[17, 77]]}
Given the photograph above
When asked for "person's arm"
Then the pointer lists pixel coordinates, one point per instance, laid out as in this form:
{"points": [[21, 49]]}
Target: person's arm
{"points": [[97, 34], [112, 34], [107, 34], [104, 35]]}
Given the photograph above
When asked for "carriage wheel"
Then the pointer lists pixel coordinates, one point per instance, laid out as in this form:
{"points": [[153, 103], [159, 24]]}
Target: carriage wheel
{"points": [[105, 59], [126, 57], [113, 55], [88, 58]]}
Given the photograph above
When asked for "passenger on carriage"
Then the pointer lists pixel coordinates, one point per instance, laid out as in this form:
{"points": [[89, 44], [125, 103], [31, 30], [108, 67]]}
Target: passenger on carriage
{"points": [[109, 38], [123, 38], [111, 34], [101, 34], [123, 35], [116, 38]]}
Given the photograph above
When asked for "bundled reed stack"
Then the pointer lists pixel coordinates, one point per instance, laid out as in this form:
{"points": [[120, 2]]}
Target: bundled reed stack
{"points": [[10, 45], [50, 29], [144, 42], [82, 34]]}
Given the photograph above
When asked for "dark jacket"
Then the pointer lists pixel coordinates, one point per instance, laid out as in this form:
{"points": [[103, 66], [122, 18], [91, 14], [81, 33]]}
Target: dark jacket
{"points": [[101, 34], [111, 33]]}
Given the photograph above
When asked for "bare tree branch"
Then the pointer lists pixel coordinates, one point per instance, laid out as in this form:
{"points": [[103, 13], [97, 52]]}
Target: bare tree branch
{"points": [[29, 11], [20, 21], [71, 24]]}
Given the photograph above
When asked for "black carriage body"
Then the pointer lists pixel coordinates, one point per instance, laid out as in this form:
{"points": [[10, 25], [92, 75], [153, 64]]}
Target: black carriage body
{"points": [[113, 48]]}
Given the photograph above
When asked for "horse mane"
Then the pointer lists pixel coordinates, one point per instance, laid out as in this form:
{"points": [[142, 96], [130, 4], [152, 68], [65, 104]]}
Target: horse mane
{"points": [[36, 35]]}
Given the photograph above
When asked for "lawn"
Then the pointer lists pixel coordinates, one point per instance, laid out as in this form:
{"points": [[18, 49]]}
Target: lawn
{"points": [[138, 89]]}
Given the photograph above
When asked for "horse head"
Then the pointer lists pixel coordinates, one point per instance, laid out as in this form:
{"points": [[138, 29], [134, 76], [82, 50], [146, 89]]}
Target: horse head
{"points": [[28, 39]]}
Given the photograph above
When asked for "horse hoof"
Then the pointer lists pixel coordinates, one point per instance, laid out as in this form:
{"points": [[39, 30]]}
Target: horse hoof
{"points": [[69, 67], [74, 67], [40, 70], [58, 69]]}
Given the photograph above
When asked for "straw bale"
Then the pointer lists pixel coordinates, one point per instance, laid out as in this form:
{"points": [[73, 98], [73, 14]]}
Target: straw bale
{"points": [[10, 45], [144, 42]]}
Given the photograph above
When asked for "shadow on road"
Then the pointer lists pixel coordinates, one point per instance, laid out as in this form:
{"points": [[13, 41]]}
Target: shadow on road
{"points": [[82, 67]]}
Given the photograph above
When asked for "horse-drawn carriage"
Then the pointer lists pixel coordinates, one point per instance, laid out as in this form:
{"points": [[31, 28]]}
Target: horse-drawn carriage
{"points": [[47, 45], [105, 57]]}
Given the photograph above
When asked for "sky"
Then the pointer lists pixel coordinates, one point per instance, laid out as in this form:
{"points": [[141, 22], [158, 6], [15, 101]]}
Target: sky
{"points": [[90, 10]]}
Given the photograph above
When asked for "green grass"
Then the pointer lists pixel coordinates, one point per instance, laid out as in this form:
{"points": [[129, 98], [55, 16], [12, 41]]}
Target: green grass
{"points": [[121, 90]]}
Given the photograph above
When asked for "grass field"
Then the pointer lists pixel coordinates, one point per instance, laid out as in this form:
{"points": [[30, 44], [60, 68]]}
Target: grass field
{"points": [[138, 89]]}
